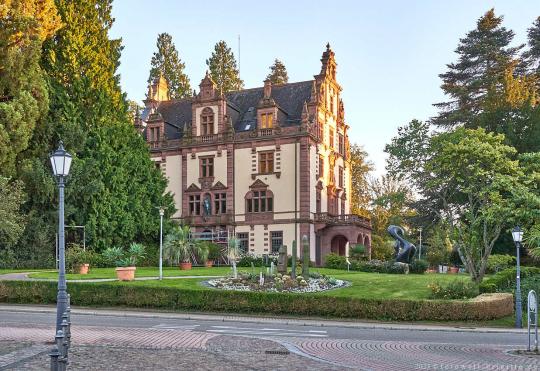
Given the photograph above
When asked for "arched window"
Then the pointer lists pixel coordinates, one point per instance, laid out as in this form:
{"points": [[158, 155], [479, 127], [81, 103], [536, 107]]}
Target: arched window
{"points": [[207, 121], [259, 201]]}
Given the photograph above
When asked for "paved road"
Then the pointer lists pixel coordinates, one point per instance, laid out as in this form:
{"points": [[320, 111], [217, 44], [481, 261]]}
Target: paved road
{"points": [[357, 346]]}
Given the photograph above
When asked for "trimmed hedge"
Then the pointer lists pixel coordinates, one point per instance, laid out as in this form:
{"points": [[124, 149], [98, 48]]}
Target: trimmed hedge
{"points": [[484, 307], [505, 281]]}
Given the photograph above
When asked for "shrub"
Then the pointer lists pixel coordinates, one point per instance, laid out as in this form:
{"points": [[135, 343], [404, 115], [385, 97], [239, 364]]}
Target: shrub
{"points": [[497, 263], [505, 281], [172, 298], [418, 266], [528, 284], [214, 251], [121, 258], [76, 256], [258, 261], [335, 261], [456, 289]]}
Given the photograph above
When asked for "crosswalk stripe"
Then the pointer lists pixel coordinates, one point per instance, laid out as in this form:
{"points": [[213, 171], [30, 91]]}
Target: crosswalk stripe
{"points": [[266, 333]]}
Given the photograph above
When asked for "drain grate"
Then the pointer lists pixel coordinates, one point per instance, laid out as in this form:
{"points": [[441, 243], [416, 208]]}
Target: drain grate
{"points": [[282, 352]]}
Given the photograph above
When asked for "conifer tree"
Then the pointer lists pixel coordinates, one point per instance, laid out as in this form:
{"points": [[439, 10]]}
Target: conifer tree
{"points": [[484, 56], [532, 55], [24, 25], [223, 70], [278, 73], [167, 63], [113, 184]]}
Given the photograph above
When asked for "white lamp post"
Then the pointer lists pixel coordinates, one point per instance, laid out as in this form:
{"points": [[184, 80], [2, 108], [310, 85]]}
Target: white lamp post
{"points": [[420, 249], [61, 162], [517, 236], [161, 213]]}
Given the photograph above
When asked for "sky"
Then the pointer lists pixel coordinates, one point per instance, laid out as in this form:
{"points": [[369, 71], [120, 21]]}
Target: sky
{"points": [[389, 53]]}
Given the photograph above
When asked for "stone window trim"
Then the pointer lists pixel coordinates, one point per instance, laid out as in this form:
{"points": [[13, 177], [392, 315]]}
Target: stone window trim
{"points": [[194, 203], [341, 177], [207, 124], [220, 203], [206, 167], [266, 161]]}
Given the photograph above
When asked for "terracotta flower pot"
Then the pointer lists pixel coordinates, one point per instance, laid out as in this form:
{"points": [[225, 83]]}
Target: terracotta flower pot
{"points": [[453, 270], [209, 263], [185, 266], [83, 268], [125, 273]]}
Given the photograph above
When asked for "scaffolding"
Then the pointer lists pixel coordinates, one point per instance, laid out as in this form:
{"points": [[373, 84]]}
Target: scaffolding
{"points": [[220, 237]]}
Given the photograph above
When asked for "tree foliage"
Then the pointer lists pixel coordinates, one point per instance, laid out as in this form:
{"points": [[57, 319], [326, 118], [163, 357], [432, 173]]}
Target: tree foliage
{"points": [[471, 181], [360, 168], [223, 69], [278, 73], [532, 55], [167, 63], [12, 220], [24, 25], [484, 55]]}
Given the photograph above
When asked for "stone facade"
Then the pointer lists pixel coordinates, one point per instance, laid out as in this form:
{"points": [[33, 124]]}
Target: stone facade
{"points": [[267, 165]]}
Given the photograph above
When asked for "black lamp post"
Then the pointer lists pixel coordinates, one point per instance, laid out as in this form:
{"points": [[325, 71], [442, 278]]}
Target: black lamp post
{"points": [[61, 162], [517, 236]]}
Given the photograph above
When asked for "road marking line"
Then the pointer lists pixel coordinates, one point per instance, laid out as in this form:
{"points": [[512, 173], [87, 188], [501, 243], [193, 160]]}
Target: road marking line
{"points": [[268, 329], [267, 333]]}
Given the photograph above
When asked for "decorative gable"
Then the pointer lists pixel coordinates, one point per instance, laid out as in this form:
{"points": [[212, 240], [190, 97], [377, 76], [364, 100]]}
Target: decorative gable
{"points": [[193, 188]]}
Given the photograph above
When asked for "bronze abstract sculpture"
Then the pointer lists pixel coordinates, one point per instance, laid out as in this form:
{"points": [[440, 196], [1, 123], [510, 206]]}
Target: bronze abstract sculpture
{"points": [[404, 249]]}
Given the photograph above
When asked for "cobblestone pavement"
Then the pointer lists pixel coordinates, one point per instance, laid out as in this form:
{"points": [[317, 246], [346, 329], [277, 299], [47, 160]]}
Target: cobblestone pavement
{"points": [[97, 348], [400, 355]]}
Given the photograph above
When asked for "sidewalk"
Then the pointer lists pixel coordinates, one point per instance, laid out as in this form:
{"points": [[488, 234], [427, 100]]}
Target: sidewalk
{"points": [[23, 276], [256, 319]]}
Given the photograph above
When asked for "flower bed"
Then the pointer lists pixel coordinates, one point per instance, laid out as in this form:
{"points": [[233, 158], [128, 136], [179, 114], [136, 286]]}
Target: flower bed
{"points": [[277, 283]]}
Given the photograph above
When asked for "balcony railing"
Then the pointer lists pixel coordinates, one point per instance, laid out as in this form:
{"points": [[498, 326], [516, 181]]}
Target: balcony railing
{"points": [[342, 219]]}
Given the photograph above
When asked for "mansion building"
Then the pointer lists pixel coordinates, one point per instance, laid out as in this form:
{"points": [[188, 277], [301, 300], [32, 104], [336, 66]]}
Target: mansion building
{"points": [[267, 165]]}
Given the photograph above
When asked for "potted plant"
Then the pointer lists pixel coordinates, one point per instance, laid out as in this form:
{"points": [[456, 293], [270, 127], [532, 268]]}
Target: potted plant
{"points": [[125, 261], [214, 253], [78, 259], [179, 247]]}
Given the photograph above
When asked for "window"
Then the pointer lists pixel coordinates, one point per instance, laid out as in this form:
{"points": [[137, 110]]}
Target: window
{"points": [[266, 162], [260, 202], [243, 242], [340, 180], [195, 205], [341, 140], [267, 120], [342, 206], [154, 134], [321, 131], [332, 104], [207, 121], [318, 201], [207, 167], [331, 138], [321, 166], [220, 203], [277, 240]]}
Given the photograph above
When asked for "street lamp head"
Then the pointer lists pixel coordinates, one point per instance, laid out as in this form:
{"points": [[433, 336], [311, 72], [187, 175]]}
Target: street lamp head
{"points": [[61, 161], [161, 211], [517, 234]]}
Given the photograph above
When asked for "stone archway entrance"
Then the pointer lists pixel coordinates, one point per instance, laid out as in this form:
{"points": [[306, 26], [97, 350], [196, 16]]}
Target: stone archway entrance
{"points": [[338, 245]]}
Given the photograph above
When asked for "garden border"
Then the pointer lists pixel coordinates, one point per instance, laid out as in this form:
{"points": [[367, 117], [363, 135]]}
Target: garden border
{"points": [[109, 294]]}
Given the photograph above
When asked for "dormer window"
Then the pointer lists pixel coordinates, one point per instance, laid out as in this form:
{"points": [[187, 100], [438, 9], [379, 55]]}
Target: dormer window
{"points": [[267, 120], [207, 121]]}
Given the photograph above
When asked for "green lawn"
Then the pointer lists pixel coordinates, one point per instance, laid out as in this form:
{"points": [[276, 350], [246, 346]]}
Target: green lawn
{"points": [[364, 285], [6, 271], [140, 272]]}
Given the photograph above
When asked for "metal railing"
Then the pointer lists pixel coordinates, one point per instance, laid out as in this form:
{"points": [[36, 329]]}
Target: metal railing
{"points": [[59, 354], [342, 219]]}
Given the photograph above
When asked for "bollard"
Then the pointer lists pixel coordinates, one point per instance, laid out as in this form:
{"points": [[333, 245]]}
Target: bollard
{"points": [[532, 319], [67, 328], [59, 338], [54, 354]]}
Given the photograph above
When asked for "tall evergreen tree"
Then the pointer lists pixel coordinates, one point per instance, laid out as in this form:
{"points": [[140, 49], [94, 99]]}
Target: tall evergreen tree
{"points": [[484, 56], [360, 169], [223, 70], [113, 186], [532, 55], [167, 63], [278, 73], [24, 25]]}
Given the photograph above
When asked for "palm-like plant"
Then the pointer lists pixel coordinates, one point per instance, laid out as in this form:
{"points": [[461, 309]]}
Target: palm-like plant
{"points": [[533, 242], [179, 246]]}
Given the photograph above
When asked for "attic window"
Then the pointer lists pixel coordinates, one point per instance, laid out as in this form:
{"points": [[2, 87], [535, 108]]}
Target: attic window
{"points": [[207, 121], [267, 120]]}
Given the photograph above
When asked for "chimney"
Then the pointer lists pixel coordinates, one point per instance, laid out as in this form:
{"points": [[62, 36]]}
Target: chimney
{"points": [[267, 89]]}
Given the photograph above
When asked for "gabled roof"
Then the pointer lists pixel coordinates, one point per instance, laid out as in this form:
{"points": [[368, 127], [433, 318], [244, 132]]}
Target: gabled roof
{"points": [[241, 108]]}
